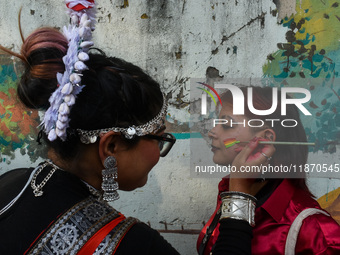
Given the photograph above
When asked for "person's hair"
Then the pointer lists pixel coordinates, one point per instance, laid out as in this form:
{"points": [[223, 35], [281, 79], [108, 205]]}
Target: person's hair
{"points": [[285, 155], [116, 93]]}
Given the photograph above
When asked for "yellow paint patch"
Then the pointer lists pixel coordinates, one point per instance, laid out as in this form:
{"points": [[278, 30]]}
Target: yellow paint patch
{"points": [[144, 16], [331, 203], [327, 199]]}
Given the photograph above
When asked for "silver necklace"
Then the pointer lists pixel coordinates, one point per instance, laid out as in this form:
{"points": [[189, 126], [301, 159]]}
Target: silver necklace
{"points": [[37, 189]]}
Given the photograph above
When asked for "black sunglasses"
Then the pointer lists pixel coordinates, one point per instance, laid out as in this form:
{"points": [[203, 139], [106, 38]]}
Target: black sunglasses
{"points": [[165, 142]]}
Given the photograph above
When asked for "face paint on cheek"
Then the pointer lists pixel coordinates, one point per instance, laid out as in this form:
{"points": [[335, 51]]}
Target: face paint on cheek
{"points": [[230, 142]]}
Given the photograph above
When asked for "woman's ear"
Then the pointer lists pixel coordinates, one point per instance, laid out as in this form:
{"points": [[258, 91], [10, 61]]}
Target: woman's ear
{"points": [[107, 144], [268, 134]]}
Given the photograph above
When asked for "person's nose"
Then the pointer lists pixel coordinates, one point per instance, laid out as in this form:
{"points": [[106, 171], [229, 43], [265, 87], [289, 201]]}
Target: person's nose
{"points": [[212, 133]]}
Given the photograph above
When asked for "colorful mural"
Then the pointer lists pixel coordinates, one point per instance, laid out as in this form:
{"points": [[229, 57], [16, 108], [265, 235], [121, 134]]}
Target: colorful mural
{"points": [[312, 54], [17, 124], [312, 47]]}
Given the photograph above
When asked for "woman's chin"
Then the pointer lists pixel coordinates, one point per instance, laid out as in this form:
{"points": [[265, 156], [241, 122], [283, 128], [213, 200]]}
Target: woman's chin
{"points": [[142, 182], [130, 187], [222, 162]]}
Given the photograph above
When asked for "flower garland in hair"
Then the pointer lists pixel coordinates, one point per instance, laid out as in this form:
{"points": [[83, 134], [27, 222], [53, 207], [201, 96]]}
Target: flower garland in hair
{"points": [[79, 34]]}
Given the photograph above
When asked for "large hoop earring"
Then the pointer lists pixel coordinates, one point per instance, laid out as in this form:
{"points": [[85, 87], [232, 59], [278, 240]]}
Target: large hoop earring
{"points": [[109, 175]]}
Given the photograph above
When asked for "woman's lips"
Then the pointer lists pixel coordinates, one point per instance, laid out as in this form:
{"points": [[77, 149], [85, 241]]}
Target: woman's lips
{"points": [[213, 148]]}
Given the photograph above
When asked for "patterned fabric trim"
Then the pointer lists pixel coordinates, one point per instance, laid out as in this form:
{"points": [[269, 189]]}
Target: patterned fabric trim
{"points": [[76, 226], [112, 240]]}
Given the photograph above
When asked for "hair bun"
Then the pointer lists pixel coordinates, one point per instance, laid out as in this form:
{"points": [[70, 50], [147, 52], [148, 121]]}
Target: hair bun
{"points": [[42, 52]]}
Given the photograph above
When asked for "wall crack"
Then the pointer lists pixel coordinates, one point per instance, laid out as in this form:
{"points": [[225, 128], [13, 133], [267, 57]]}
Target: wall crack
{"points": [[226, 38]]}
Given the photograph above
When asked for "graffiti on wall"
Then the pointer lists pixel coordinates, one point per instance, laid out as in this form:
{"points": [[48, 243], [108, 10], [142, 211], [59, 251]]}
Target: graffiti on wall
{"points": [[17, 124], [312, 46], [312, 54]]}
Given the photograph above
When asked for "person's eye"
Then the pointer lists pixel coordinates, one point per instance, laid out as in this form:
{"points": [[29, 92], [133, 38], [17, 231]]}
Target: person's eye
{"points": [[226, 126]]}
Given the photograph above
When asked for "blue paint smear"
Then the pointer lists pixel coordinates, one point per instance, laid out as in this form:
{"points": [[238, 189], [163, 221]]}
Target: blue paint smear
{"points": [[287, 23], [308, 65], [294, 64], [183, 136], [317, 73], [281, 75], [307, 40], [17, 145], [318, 58], [7, 71], [325, 67], [301, 31], [3, 141]]}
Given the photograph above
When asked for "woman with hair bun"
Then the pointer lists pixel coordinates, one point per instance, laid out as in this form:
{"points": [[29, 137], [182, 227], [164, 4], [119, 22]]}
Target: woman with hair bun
{"points": [[104, 128]]}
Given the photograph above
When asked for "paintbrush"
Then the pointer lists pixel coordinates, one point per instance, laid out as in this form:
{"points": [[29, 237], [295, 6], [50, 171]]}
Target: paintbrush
{"points": [[232, 141]]}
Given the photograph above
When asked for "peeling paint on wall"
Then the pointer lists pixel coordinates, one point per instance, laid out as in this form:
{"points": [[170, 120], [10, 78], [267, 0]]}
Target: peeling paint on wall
{"points": [[144, 16], [125, 4], [285, 8]]}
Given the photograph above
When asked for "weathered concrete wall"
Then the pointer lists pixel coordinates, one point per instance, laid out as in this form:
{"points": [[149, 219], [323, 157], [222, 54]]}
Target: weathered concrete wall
{"points": [[174, 40]]}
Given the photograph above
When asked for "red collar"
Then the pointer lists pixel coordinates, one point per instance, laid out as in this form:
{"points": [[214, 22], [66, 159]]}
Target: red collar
{"points": [[278, 202]]}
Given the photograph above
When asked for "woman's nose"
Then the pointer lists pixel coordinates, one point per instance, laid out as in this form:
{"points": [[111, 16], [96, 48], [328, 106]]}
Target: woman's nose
{"points": [[212, 133]]}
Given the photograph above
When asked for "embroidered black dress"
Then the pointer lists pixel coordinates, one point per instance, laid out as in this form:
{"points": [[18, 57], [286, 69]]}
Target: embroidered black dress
{"points": [[30, 218]]}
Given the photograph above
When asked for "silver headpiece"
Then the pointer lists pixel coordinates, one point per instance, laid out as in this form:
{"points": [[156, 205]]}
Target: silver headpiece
{"points": [[152, 126]]}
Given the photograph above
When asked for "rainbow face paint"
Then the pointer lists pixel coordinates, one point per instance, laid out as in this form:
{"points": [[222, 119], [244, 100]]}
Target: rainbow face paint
{"points": [[230, 142]]}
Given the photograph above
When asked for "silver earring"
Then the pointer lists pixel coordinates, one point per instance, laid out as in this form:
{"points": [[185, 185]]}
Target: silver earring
{"points": [[109, 184]]}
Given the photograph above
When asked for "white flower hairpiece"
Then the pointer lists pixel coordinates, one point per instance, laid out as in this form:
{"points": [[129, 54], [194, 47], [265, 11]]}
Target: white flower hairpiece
{"points": [[79, 34]]}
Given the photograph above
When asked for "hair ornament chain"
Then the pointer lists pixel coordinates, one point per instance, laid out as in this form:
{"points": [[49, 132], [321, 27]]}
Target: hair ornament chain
{"points": [[79, 34], [152, 126]]}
